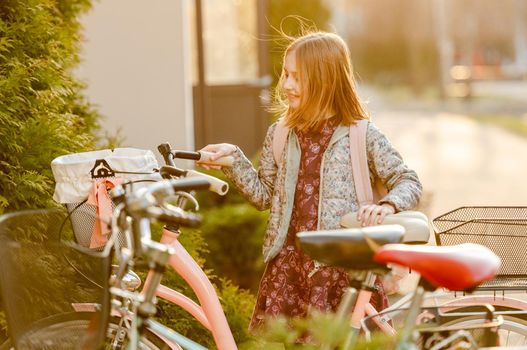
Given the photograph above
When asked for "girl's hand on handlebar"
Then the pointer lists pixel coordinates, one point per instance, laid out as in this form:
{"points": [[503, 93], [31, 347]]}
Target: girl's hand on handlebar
{"points": [[219, 150], [373, 214]]}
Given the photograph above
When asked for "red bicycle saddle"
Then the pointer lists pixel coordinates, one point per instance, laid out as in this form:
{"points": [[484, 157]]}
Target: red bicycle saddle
{"points": [[456, 267]]}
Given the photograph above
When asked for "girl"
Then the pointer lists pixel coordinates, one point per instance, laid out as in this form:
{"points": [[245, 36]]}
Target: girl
{"points": [[312, 186]]}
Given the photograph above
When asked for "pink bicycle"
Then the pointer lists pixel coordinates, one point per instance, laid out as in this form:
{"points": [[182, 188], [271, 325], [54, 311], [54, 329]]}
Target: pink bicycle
{"points": [[130, 322]]}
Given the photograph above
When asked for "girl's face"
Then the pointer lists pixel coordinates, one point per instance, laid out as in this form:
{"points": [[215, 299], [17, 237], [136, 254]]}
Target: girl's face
{"points": [[290, 82]]}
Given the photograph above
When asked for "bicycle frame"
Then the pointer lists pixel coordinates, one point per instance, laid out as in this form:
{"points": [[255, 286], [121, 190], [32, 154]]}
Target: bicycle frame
{"points": [[209, 312], [363, 307]]}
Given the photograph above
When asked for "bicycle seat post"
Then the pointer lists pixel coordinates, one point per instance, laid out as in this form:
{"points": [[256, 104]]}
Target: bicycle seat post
{"points": [[367, 279], [409, 325], [343, 312], [369, 282]]}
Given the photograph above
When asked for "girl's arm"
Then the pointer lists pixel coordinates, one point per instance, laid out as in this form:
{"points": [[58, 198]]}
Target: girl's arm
{"points": [[404, 187], [255, 185]]}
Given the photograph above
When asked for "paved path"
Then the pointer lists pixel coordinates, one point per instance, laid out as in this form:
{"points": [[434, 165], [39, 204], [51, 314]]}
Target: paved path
{"points": [[460, 162]]}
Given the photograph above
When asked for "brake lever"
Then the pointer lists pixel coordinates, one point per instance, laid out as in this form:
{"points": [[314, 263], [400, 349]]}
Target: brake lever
{"points": [[189, 197]]}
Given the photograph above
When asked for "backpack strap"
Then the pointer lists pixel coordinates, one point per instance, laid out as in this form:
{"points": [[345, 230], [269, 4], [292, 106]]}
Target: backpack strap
{"points": [[359, 162], [279, 138]]}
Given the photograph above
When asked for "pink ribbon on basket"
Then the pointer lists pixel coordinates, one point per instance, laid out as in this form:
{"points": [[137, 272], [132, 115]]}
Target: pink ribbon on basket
{"points": [[100, 198]]}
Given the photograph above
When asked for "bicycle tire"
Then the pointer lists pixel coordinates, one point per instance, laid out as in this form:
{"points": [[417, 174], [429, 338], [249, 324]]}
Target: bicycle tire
{"points": [[513, 331], [149, 341], [64, 324]]}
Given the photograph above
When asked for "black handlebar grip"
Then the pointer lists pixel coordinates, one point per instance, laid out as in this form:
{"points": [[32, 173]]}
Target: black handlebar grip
{"points": [[187, 219], [167, 172], [190, 184], [187, 155]]}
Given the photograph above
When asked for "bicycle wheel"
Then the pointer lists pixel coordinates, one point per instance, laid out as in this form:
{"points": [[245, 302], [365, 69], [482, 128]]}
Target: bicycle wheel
{"points": [[513, 331], [65, 330]]}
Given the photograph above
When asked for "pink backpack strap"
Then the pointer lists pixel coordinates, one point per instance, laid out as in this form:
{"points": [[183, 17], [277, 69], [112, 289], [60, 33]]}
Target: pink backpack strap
{"points": [[279, 138], [359, 162]]}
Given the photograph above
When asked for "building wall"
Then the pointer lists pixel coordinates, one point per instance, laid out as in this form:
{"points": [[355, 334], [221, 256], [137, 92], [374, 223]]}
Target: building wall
{"points": [[137, 67]]}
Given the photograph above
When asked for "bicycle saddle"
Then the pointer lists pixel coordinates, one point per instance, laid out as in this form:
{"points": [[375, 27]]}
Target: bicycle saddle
{"points": [[349, 248], [457, 267], [417, 229]]}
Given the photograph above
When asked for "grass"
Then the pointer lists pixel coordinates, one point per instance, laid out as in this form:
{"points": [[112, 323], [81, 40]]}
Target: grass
{"points": [[514, 124]]}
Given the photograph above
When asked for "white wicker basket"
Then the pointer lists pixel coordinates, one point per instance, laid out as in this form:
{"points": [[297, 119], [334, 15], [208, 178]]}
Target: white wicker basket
{"points": [[75, 175]]}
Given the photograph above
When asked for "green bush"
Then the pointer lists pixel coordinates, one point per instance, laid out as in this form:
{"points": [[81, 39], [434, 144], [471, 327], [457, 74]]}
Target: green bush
{"points": [[234, 231], [371, 64], [234, 235], [42, 113]]}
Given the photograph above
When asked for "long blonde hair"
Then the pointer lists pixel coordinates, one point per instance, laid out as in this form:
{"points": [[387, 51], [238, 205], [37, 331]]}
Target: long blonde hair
{"points": [[326, 80]]}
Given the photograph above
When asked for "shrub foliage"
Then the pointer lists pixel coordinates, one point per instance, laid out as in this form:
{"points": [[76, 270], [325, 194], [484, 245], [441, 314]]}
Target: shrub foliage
{"points": [[42, 112]]}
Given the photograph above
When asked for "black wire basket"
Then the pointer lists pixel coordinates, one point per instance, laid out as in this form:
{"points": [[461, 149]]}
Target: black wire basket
{"points": [[501, 229], [54, 292], [83, 218]]}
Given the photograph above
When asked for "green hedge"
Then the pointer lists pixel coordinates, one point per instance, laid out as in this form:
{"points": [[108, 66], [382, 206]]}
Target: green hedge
{"points": [[234, 235], [42, 113], [234, 231], [318, 330]]}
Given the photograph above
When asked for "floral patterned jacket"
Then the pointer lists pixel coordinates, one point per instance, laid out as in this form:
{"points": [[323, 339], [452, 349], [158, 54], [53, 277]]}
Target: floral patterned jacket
{"points": [[273, 185]]}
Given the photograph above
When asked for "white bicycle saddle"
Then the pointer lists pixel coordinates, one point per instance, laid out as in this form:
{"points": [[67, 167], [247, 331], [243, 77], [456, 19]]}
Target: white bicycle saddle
{"points": [[415, 223]]}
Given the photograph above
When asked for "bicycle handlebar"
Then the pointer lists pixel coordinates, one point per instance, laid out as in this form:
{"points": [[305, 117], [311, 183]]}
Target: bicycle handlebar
{"points": [[169, 171], [187, 155], [165, 188], [203, 157], [180, 218], [215, 185], [145, 202]]}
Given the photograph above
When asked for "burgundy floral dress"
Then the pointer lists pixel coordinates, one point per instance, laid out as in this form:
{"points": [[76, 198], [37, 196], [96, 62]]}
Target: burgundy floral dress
{"points": [[292, 283]]}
